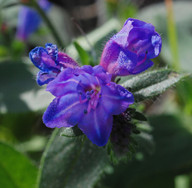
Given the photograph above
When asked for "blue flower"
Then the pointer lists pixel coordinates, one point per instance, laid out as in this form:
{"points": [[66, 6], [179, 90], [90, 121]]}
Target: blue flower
{"points": [[86, 97], [130, 50], [50, 62], [29, 20]]}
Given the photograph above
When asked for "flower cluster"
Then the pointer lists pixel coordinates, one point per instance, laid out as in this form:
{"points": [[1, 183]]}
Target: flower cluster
{"points": [[86, 96]]}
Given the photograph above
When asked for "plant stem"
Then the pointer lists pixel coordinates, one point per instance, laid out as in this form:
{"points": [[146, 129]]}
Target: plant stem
{"points": [[172, 35], [49, 24]]}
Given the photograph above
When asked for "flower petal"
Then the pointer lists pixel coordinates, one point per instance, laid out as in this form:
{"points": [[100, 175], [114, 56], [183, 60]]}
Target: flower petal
{"points": [[97, 125], [52, 50], [138, 23], [66, 61], [121, 38], [102, 74], [144, 42], [45, 78], [65, 111], [156, 43], [118, 61], [42, 60], [142, 67], [115, 99], [65, 82], [88, 69]]}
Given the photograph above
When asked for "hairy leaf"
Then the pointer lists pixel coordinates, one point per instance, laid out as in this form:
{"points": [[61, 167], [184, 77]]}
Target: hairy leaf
{"points": [[144, 80], [71, 132], [71, 162], [172, 156], [158, 88], [153, 83]]}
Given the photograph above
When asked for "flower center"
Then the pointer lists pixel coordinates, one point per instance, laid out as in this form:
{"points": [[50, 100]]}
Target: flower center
{"points": [[92, 96]]}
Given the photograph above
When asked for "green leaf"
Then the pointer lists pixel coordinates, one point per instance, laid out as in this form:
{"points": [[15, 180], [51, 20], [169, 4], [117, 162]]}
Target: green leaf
{"points": [[71, 162], [3, 51], [172, 155], [184, 93], [19, 91], [139, 116], [145, 142], [146, 79], [158, 88], [12, 129], [71, 132], [84, 56], [16, 171], [183, 181], [153, 83], [18, 48], [163, 181]]}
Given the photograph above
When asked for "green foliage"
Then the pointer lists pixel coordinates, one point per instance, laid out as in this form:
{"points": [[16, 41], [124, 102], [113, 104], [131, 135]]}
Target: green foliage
{"points": [[184, 93], [15, 127], [172, 36], [18, 48], [146, 79], [19, 91], [71, 162], [169, 159], [157, 89], [183, 181], [15, 79], [71, 132], [126, 10], [122, 9], [153, 83], [84, 56], [3, 51], [16, 171], [139, 116]]}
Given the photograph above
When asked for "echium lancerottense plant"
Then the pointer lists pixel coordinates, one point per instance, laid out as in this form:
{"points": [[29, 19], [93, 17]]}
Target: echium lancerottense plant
{"points": [[87, 96]]}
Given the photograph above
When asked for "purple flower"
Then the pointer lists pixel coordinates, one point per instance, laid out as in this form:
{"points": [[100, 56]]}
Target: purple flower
{"points": [[130, 50], [29, 20], [50, 62], [86, 97]]}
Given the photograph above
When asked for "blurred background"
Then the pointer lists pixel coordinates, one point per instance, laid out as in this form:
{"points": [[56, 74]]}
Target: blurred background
{"points": [[165, 159]]}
